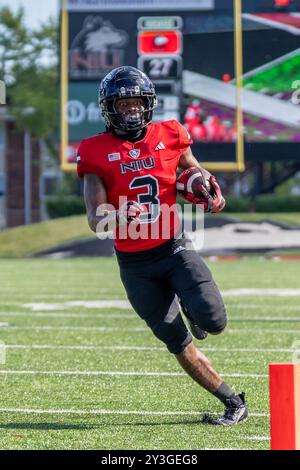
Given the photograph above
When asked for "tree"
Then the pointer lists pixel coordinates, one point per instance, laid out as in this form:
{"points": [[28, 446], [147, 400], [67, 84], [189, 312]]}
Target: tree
{"points": [[28, 65]]}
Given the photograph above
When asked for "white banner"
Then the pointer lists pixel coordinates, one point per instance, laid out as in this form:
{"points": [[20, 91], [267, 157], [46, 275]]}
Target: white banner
{"points": [[139, 5]]}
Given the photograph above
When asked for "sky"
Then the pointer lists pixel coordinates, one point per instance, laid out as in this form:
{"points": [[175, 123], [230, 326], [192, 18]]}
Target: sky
{"points": [[36, 11]]}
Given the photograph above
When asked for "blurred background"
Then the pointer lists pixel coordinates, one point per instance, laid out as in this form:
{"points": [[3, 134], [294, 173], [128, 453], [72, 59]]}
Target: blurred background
{"points": [[231, 77]]}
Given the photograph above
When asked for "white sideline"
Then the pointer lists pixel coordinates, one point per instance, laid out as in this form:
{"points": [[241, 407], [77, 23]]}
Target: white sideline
{"points": [[138, 348], [118, 412], [257, 438], [118, 373]]}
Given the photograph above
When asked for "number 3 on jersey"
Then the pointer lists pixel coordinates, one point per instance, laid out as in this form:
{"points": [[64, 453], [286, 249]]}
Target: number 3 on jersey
{"points": [[150, 197]]}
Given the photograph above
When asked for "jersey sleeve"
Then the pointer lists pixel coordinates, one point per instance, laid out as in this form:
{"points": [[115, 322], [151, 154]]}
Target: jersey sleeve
{"points": [[84, 161], [184, 138]]}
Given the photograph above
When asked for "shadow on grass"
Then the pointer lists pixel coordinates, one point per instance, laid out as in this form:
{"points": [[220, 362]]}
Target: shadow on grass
{"points": [[47, 426], [161, 423], [80, 427]]}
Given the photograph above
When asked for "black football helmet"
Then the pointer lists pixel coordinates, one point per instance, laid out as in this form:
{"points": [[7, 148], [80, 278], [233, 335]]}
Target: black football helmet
{"points": [[126, 82]]}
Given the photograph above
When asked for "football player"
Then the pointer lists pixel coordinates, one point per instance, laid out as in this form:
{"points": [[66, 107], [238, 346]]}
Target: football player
{"points": [[138, 159]]}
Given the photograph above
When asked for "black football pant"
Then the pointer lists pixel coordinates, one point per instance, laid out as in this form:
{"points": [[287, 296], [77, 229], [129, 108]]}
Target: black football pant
{"points": [[153, 277]]}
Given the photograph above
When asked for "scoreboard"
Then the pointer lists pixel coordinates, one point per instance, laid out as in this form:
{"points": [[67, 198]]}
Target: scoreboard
{"points": [[160, 46], [167, 39]]}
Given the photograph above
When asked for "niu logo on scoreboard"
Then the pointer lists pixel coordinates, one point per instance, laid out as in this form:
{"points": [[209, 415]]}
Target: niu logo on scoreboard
{"points": [[96, 49]]}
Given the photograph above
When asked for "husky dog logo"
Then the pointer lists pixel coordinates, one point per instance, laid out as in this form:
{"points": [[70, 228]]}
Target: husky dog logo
{"points": [[135, 153], [97, 48]]}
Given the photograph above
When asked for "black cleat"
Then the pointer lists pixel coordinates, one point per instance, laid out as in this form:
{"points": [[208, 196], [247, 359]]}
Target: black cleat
{"points": [[235, 411], [196, 331]]}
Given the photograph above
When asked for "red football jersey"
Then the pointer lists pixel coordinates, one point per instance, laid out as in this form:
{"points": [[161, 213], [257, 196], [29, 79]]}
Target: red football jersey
{"points": [[142, 171]]}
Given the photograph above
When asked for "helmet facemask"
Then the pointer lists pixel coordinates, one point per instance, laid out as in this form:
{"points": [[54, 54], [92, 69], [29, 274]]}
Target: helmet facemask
{"points": [[123, 83], [129, 121]]}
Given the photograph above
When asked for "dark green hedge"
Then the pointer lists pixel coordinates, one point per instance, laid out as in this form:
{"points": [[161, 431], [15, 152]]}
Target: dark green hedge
{"points": [[74, 205], [65, 206], [237, 204], [273, 203], [263, 203]]}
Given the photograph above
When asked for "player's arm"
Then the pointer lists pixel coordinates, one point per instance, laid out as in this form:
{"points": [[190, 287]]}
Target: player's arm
{"points": [[102, 217], [95, 198], [188, 160], [216, 200]]}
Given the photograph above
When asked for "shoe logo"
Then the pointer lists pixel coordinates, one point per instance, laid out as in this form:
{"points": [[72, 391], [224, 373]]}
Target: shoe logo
{"points": [[135, 153], [160, 146]]}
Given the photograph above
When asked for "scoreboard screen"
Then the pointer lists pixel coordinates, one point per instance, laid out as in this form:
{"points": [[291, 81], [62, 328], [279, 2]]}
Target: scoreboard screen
{"points": [[165, 42], [230, 76]]}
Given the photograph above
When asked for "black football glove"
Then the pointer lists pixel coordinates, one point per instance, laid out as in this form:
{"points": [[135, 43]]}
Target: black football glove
{"points": [[130, 211]]}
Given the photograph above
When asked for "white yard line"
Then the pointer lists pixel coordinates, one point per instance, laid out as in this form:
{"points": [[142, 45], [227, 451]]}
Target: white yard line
{"points": [[254, 292], [123, 304], [138, 348], [262, 330], [62, 296], [84, 348], [257, 438], [69, 328], [33, 289], [118, 412], [263, 307], [119, 373], [253, 376], [140, 329], [133, 316], [265, 319], [69, 315]]}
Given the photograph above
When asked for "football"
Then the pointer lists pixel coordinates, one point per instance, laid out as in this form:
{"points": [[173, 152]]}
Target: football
{"points": [[191, 182]]}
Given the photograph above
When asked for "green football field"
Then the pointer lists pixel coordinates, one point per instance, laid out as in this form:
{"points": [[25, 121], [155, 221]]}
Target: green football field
{"points": [[80, 373]]}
